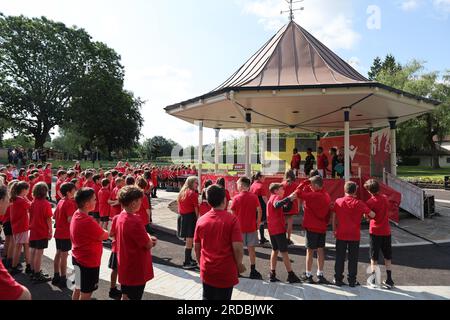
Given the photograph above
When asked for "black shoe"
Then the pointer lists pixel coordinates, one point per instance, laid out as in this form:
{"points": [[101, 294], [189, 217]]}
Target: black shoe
{"points": [[290, 242], [389, 283], [308, 280], [56, 280], [189, 265], [353, 284], [28, 270], [19, 267], [41, 278], [115, 294], [273, 278], [62, 284], [263, 241], [338, 283], [322, 280], [255, 275], [292, 278], [14, 271]]}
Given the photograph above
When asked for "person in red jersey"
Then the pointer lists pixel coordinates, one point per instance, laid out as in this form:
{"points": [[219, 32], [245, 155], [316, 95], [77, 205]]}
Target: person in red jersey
{"points": [[87, 240], [97, 186], [295, 162], [22, 175], [322, 163], [292, 209], [40, 230], [154, 175], [380, 231], [7, 229], [77, 167], [113, 200], [218, 248], [244, 206], [9, 288], [221, 182], [188, 215], [315, 222], [48, 179], [258, 188], [277, 231], [114, 292], [115, 175], [347, 213], [204, 207], [145, 211], [32, 180], [133, 244], [62, 176], [63, 215], [103, 206], [20, 223]]}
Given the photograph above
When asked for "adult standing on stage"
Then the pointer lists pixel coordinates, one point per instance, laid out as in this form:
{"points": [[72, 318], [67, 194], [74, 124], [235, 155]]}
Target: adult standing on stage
{"points": [[322, 162], [296, 161]]}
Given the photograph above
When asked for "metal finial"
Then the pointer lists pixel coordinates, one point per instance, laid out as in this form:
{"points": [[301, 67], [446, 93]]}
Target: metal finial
{"points": [[292, 9]]}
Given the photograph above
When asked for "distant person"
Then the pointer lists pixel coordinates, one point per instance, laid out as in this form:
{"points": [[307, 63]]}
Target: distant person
{"points": [[322, 163], [292, 208], [221, 182], [334, 162], [309, 162], [260, 191], [204, 205], [103, 205], [218, 248], [296, 161]]}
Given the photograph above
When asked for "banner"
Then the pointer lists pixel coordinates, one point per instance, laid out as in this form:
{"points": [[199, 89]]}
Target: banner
{"points": [[359, 151], [381, 149]]}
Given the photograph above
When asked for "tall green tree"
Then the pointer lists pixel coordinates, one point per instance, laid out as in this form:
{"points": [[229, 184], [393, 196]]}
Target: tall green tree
{"points": [[388, 65], [158, 147]]}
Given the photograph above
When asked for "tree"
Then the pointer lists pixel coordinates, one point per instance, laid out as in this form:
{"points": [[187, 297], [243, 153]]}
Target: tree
{"points": [[158, 147], [43, 64], [389, 65], [420, 133]]}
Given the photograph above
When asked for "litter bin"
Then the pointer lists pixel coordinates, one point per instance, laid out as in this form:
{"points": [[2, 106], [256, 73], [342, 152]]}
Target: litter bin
{"points": [[447, 182]]}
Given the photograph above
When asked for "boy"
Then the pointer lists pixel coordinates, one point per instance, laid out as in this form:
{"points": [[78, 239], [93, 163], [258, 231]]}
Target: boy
{"points": [[218, 231], [244, 205], [346, 218], [96, 186], [63, 215], [40, 230], [86, 236], [277, 231], [103, 205], [315, 222], [380, 231], [133, 245], [62, 176], [113, 200], [144, 211]]}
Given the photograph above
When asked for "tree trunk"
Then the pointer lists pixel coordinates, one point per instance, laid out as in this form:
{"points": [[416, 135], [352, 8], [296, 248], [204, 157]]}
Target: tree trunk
{"points": [[39, 140]]}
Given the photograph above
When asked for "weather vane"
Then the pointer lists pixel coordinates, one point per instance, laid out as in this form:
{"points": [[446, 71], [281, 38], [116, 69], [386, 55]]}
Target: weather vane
{"points": [[292, 9]]}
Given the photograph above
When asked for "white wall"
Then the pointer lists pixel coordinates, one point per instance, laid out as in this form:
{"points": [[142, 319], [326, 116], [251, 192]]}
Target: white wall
{"points": [[426, 161]]}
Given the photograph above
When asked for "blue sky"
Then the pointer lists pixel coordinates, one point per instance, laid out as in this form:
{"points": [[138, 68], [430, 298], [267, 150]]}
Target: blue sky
{"points": [[175, 50]]}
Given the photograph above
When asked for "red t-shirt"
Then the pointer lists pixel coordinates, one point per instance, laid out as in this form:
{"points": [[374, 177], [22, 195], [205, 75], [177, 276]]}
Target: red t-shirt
{"points": [[113, 232], [89, 184], [48, 176], [276, 224], [20, 219], [215, 232], [142, 213], [97, 190], [30, 191], [204, 208], [65, 209], [349, 212], [258, 189], [7, 216], [317, 210], [295, 161], [115, 210], [134, 260], [103, 206], [189, 203], [289, 188], [321, 159], [40, 211], [379, 225], [58, 188], [85, 235], [244, 206], [9, 288]]}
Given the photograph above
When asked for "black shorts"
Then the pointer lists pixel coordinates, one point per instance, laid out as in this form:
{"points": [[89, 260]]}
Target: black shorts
{"points": [[383, 243], [315, 240], [64, 245], [86, 279], [39, 244], [279, 242], [104, 219], [95, 215], [112, 264], [133, 292], [7, 228], [186, 225]]}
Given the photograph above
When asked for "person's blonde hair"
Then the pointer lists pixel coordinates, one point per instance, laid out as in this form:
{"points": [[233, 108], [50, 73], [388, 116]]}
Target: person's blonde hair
{"points": [[188, 185], [289, 176]]}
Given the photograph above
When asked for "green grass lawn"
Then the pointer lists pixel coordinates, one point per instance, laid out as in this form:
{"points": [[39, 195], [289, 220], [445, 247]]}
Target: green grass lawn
{"points": [[422, 172]]}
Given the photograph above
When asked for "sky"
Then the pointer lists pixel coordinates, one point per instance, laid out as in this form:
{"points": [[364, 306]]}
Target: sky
{"points": [[180, 49]]}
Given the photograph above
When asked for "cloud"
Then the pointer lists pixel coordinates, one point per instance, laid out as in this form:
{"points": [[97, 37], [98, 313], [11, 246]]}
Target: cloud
{"points": [[330, 21], [410, 5], [443, 6]]}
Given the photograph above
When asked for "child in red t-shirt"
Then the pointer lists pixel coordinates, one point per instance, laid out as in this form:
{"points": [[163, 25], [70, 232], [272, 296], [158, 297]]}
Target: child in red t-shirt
{"points": [[103, 205], [244, 206], [62, 176], [204, 207], [276, 225], [48, 179], [32, 180], [9, 288], [40, 230], [20, 223], [113, 200], [347, 213], [289, 186], [145, 210], [133, 244], [380, 231], [261, 192], [87, 240], [63, 215]]}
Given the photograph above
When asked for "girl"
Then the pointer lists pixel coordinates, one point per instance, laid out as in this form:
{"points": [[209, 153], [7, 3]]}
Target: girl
{"points": [[258, 189], [221, 182], [48, 179], [204, 206], [22, 175], [289, 186]]}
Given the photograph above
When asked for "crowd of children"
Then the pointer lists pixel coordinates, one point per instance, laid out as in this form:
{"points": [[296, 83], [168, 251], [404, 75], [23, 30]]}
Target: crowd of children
{"points": [[97, 207]]}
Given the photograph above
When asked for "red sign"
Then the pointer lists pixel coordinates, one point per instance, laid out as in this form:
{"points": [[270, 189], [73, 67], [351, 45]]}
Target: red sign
{"points": [[239, 167], [359, 151]]}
